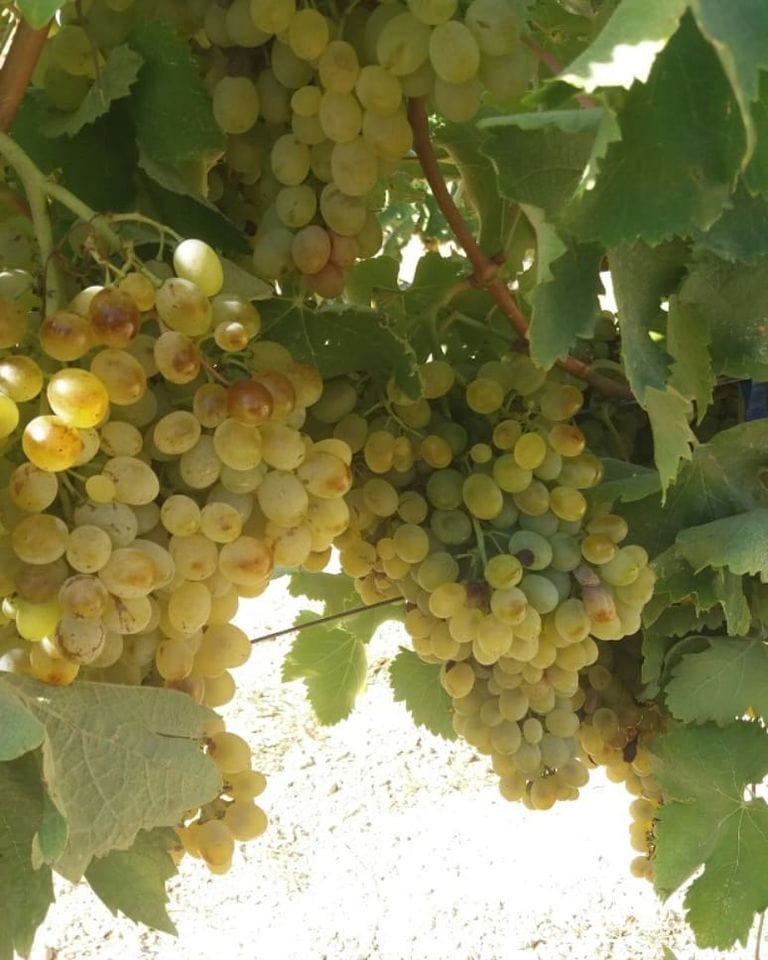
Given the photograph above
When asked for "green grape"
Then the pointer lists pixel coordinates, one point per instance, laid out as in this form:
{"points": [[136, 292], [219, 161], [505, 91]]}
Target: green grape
{"points": [[484, 395], [534, 500], [272, 253], [495, 25], [239, 28], [550, 467], [508, 516], [438, 568], [640, 591], [458, 102], [411, 543], [378, 90], [380, 497], [215, 843], [308, 34], [454, 52], [282, 498], [502, 571], [223, 647], [506, 77], [338, 67], [506, 434], [55, 671], [509, 605], [20, 378], [451, 527], [274, 99], [128, 573], [546, 524], [567, 503], [437, 378], [435, 451], [311, 249], [343, 214], [531, 549], [340, 116], [530, 451], [197, 262], [390, 136], [624, 568], [50, 444], [509, 476], [432, 11], [611, 525], [598, 548], [118, 438], [292, 71], [189, 607], [447, 599], [412, 507], [560, 401], [457, 679], [402, 45], [289, 160], [566, 440], [354, 167], [273, 16], [541, 593], [566, 554], [235, 104], [245, 820], [444, 489], [72, 51], [296, 206]]}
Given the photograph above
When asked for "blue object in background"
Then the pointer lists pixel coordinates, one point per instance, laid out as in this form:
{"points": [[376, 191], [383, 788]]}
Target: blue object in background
{"points": [[755, 396]]}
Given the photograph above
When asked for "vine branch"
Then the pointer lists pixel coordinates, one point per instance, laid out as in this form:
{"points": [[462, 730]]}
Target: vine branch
{"points": [[485, 270], [331, 618], [20, 62]]}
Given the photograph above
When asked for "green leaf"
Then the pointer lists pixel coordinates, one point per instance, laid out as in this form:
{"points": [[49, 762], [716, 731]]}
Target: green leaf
{"points": [[739, 34], [730, 593], [117, 760], [643, 192], [669, 413], [642, 276], [133, 881], [756, 174], [433, 278], [374, 282], [115, 80], [568, 121], [688, 345], [20, 731], [417, 685], [51, 838], [333, 665], [38, 12], [730, 300], [624, 482], [721, 683], [170, 103], [706, 820], [627, 46], [25, 893], [741, 231], [739, 543], [342, 339], [539, 167], [567, 306], [244, 284]]}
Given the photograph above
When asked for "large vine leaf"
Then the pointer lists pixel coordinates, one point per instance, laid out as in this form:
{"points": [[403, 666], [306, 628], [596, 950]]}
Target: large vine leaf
{"points": [[720, 683], [705, 820], [170, 103], [342, 339], [741, 231], [627, 46], [673, 439], [20, 731], [38, 12], [116, 77], [643, 192], [417, 685], [688, 344], [739, 34], [739, 543], [25, 893], [333, 665], [117, 760], [337, 594], [133, 881]]}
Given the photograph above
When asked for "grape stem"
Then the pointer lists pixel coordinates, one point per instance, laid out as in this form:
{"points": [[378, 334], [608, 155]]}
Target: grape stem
{"points": [[20, 62], [485, 270], [39, 189], [331, 618]]}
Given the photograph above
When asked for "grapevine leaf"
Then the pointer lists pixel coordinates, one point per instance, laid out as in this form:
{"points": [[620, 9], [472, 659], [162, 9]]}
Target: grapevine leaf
{"points": [[627, 46], [642, 276], [741, 231], [341, 339], [117, 760], [705, 820], [664, 636], [374, 283], [730, 593], [20, 731], [549, 244], [417, 685], [568, 121], [435, 275], [38, 12], [333, 665], [244, 284], [646, 193], [624, 482], [25, 893], [688, 344], [669, 413], [739, 543], [721, 683], [538, 167], [731, 301], [678, 582], [171, 106], [337, 594], [133, 881], [116, 78], [51, 838], [567, 306], [739, 34], [756, 174]]}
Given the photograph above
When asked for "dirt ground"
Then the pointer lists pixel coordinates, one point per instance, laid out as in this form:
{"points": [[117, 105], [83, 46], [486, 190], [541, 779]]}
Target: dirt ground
{"points": [[387, 843]]}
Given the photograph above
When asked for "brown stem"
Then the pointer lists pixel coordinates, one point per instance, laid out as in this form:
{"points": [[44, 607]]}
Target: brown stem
{"points": [[485, 269], [23, 54]]}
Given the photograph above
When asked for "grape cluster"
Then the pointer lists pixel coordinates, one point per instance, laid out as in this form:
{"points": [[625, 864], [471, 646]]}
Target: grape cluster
{"points": [[316, 118], [155, 470], [470, 504]]}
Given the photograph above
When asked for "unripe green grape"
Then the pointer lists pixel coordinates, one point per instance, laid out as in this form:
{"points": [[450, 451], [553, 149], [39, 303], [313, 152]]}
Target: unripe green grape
{"points": [[245, 820], [624, 568], [235, 104], [391, 136], [534, 500], [451, 527], [438, 568], [509, 605], [21, 379], [274, 99], [435, 451], [402, 45], [506, 77], [502, 571], [458, 679], [273, 16], [283, 498], [454, 52], [370, 237], [432, 11], [458, 102], [495, 25], [340, 116], [437, 378], [540, 592], [444, 489], [308, 34], [343, 214], [196, 261], [289, 160], [532, 550], [354, 167], [292, 71], [51, 444], [482, 496], [338, 67], [611, 525], [272, 253], [238, 27], [216, 844], [509, 475], [411, 543]]}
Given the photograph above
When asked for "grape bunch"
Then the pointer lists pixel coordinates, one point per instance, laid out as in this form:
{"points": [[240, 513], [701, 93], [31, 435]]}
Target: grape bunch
{"points": [[470, 503], [155, 471]]}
